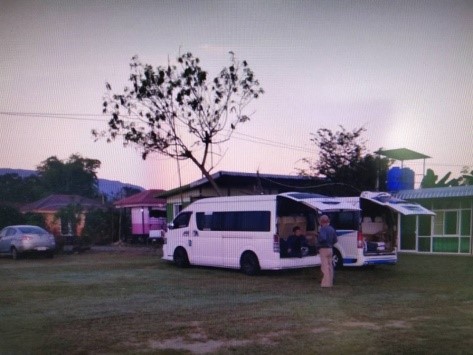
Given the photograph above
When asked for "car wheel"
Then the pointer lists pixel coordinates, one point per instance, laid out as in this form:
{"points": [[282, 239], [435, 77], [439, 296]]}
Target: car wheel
{"points": [[337, 260], [249, 263], [50, 255], [15, 254], [180, 257]]}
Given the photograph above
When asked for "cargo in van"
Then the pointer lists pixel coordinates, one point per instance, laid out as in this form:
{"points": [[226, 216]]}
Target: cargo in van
{"points": [[375, 238]]}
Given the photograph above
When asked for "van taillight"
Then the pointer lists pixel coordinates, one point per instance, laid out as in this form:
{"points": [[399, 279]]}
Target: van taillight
{"points": [[359, 240], [276, 243]]}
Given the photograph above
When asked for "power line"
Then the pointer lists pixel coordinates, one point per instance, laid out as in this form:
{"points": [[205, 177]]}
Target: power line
{"points": [[245, 137], [69, 116], [84, 117]]}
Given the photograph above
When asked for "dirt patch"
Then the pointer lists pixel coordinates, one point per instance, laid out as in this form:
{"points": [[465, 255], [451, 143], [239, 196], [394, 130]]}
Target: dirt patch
{"points": [[197, 342]]}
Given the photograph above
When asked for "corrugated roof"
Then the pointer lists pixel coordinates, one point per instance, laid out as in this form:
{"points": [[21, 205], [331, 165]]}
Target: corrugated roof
{"points": [[144, 198], [53, 203], [240, 177], [251, 175], [436, 192]]}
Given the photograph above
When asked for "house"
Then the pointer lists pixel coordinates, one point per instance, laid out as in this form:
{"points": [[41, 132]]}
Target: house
{"points": [[147, 212], [49, 206], [449, 231], [238, 183]]}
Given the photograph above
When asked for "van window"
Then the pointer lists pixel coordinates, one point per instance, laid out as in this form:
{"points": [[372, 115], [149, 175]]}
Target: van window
{"points": [[250, 221], [204, 221], [345, 220], [182, 220]]}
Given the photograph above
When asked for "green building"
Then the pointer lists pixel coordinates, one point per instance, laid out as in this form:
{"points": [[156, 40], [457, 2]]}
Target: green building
{"points": [[449, 231]]}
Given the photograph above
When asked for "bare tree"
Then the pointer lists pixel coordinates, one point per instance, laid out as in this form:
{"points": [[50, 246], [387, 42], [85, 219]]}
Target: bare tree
{"points": [[177, 111]]}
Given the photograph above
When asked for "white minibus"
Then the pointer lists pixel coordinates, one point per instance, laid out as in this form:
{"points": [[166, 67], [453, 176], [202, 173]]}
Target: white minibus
{"points": [[246, 232], [371, 238]]}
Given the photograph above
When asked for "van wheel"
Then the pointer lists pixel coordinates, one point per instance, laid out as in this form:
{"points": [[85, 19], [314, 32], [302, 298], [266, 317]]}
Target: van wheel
{"points": [[249, 263], [337, 260], [180, 257]]}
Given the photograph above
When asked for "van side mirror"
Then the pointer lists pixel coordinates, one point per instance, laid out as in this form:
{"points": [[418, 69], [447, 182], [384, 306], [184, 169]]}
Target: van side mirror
{"points": [[170, 225]]}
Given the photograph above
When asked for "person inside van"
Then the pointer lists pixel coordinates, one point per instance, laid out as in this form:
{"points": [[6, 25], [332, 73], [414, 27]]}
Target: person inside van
{"points": [[297, 243]]}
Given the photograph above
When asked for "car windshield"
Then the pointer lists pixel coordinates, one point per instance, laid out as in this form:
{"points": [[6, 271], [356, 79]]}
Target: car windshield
{"points": [[32, 230]]}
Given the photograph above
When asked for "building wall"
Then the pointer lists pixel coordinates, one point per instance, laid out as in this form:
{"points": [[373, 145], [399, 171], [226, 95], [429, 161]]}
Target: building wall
{"points": [[54, 224]]}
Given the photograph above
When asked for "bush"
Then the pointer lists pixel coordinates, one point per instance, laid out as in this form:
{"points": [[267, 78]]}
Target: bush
{"points": [[101, 226]]}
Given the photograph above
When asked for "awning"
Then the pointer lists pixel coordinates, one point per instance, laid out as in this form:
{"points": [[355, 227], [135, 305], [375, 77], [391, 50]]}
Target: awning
{"points": [[396, 204]]}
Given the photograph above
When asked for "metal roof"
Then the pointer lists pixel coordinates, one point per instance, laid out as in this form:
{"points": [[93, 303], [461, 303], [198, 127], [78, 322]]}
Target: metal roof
{"points": [[231, 178], [141, 199], [401, 154], [55, 202], [436, 192], [248, 175]]}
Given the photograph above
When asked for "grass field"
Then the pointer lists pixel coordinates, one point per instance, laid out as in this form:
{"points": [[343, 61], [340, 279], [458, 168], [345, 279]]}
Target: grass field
{"points": [[129, 301]]}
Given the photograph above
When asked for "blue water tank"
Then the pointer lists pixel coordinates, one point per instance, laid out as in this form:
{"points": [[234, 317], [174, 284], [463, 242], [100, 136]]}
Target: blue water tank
{"points": [[400, 179]]}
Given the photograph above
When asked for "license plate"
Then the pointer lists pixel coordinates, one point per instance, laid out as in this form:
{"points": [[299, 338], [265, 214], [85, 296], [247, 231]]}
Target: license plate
{"points": [[41, 248]]}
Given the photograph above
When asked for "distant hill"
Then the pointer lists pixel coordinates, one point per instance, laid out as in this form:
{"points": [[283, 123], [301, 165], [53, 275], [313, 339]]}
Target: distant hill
{"points": [[107, 187]]}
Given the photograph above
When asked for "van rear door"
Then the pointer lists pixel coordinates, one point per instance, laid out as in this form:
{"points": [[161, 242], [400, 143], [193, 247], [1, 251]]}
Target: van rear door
{"points": [[387, 200], [321, 203]]}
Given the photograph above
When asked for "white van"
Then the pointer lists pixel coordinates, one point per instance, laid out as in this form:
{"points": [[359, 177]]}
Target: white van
{"points": [[374, 238], [246, 232]]}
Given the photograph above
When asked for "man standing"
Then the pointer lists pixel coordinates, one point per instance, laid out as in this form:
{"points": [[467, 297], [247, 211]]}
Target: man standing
{"points": [[326, 238]]}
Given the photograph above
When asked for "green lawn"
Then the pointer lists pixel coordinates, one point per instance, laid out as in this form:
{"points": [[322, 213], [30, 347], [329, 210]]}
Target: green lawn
{"points": [[128, 302]]}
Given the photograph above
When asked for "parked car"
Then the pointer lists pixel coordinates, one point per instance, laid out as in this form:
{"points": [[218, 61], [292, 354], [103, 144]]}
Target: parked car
{"points": [[22, 239]]}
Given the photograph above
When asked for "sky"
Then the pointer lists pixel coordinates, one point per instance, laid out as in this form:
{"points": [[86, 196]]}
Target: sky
{"points": [[403, 70]]}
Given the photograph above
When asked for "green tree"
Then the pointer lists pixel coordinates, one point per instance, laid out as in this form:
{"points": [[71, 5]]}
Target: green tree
{"points": [[9, 216], [431, 180], [467, 176], [77, 175], [177, 111], [36, 219], [344, 161], [14, 188], [102, 225]]}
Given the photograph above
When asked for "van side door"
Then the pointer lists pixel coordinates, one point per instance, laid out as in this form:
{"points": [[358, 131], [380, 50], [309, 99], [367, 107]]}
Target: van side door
{"points": [[206, 243]]}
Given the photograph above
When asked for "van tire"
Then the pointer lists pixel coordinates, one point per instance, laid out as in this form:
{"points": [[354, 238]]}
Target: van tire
{"points": [[337, 259], [249, 263], [180, 257], [15, 254]]}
